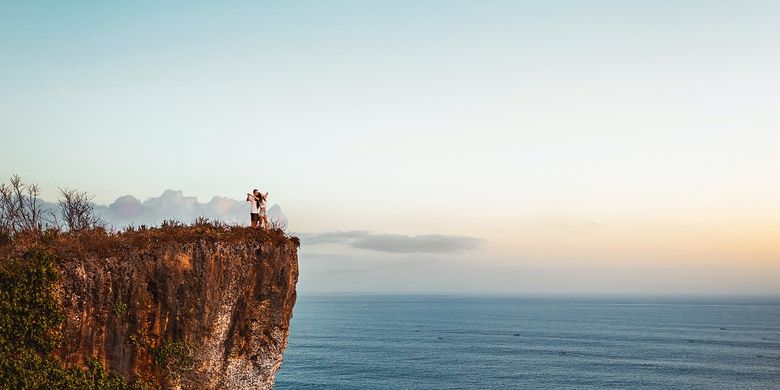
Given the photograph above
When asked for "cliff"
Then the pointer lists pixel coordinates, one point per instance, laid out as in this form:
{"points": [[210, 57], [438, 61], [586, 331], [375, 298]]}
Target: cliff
{"points": [[184, 307]]}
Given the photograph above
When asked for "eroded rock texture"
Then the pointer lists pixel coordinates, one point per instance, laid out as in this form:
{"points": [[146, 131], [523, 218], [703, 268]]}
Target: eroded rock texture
{"points": [[193, 315]]}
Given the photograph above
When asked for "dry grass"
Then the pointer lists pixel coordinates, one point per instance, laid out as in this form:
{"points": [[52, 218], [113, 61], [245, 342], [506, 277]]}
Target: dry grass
{"points": [[100, 242]]}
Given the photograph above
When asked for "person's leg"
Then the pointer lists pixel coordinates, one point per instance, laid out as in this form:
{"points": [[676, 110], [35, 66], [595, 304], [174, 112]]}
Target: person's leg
{"points": [[254, 218]]}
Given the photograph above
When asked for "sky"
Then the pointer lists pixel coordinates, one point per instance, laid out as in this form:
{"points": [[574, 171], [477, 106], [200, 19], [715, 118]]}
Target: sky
{"points": [[518, 147]]}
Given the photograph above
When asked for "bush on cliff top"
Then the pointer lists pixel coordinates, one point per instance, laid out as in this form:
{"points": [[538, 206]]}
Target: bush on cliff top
{"points": [[30, 323]]}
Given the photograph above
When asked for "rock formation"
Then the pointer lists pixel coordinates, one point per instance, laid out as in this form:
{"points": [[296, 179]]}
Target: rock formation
{"points": [[187, 308]]}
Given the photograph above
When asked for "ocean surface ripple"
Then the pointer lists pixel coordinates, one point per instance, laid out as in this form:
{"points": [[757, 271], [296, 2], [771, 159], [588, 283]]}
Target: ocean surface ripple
{"points": [[460, 342]]}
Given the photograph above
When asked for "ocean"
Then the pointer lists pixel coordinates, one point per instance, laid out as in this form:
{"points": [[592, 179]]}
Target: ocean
{"points": [[461, 342]]}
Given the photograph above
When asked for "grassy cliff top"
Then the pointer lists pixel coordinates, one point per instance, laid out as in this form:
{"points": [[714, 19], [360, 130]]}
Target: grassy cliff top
{"points": [[104, 243]]}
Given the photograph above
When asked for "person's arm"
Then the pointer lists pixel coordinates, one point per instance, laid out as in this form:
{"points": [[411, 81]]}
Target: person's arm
{"points": [[265, 197]]}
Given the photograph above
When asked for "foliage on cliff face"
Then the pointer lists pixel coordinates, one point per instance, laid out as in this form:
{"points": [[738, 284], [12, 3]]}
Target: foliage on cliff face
{"points": [[173, 357], [30, 322]]}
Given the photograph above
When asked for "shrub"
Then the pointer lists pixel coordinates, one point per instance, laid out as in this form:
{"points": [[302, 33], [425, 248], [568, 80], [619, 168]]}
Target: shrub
{"points": [[173, 357], [120, 309], [20, 208], [77, 210], [29, 315], [30, 322]]}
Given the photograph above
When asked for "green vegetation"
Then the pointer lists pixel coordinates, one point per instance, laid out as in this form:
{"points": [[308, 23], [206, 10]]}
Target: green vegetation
{"points": [[120, 309], [30, 323], [173, 357]]}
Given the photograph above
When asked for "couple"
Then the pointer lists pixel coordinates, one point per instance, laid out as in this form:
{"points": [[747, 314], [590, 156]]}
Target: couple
{"points": [[257, 212]]}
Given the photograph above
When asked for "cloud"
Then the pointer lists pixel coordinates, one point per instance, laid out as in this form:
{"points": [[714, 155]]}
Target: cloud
{"points": [[332, 237], [395, 243], [433, 243]]}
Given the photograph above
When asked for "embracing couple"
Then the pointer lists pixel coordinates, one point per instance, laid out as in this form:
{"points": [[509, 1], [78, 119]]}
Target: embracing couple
{"points": [[257, 211]]}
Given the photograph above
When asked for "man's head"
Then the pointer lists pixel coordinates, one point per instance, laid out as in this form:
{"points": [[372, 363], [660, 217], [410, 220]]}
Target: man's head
{"points": [[256, 191]]}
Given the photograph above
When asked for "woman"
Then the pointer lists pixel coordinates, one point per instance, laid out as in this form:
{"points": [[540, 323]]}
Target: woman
{"points": [[262, 198]]}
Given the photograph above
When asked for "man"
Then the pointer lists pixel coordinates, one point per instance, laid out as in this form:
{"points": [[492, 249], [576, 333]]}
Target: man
{"points": [[254, 207]]}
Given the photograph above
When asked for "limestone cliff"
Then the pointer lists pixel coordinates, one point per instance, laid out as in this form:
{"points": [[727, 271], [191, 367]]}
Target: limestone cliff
{"points": [[187, 307]]}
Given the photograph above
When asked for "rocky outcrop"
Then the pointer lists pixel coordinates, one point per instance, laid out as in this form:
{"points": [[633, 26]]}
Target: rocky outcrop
{"points": [[207, 311]]}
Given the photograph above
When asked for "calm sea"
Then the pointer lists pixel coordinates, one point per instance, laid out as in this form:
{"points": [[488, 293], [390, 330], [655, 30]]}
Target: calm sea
{"points": [[447, 342]]}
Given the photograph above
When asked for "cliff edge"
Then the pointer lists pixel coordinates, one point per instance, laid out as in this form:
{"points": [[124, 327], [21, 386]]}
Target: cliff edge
{"points": [[181, 307]]}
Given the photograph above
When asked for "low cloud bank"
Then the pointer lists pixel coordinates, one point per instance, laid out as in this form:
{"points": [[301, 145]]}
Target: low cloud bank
{"points": [[332, 237], [394, 243]]}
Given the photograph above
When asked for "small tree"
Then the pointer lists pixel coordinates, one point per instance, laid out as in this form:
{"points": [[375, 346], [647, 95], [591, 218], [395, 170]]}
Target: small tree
{"points": [[77, 210], [278, 223], [20, 208]]}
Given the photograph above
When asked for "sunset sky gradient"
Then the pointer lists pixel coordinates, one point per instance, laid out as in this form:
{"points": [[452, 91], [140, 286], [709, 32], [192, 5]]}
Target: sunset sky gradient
{"points": [[620, 147]]}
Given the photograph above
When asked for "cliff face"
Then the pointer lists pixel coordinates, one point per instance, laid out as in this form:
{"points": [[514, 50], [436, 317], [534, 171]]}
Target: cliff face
{"points": [[198, 313]]}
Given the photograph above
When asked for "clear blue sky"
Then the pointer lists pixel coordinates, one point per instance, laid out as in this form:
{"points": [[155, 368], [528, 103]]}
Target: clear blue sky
{"points": [[590, 146]]}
